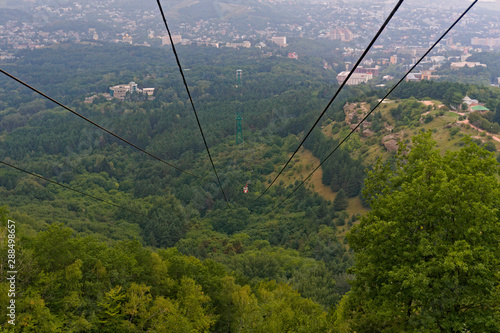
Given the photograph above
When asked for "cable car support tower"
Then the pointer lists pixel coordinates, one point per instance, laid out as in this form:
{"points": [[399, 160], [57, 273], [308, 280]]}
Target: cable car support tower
{"points": [[239, 131]]}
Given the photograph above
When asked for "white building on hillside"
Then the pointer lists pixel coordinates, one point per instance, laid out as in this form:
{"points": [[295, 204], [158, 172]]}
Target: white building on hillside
{"points": [[120, 91], [356, 78]]}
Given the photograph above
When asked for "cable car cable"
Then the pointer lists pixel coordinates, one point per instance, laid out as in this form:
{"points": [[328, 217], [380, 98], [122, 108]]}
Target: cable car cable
{"points": [[74, 190], [380, 102], [336, 94], [191, 99], [97, 125]]}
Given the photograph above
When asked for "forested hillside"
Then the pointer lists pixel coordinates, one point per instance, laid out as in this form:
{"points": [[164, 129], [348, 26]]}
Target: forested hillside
{"points": [[179, 258]]}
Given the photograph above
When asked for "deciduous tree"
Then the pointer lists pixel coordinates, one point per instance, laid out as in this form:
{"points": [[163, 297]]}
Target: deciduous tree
{"points": [[427, 255]]}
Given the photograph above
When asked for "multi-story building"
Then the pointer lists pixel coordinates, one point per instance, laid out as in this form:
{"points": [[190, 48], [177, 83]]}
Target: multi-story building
{"points": [[343, 34], [374, 70], [461, 64], [148, 91], [245, 44], [411, 51], [490, 42], [424, 75], [356, 78], [120, 91], [279, 40], [177, 39], [428, 75]]}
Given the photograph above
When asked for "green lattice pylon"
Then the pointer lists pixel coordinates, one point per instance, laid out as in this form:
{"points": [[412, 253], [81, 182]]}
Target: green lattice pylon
{"points": [[238, 78], [239, 132]]}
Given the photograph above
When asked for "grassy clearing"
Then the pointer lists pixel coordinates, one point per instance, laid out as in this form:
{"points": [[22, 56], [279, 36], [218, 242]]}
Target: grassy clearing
{"points": [[327, 129], [355, 207], [304, 164]]}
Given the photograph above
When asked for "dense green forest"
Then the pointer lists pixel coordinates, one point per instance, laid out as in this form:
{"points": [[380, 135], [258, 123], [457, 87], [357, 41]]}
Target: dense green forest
{"points": [[185, 261]]}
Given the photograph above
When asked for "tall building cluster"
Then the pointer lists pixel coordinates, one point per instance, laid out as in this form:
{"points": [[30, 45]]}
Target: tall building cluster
{"points": [[343, 34]]}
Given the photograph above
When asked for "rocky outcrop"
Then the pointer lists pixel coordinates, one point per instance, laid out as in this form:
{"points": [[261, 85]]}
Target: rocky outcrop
{"points": [[390, 142], [354, 113], [367, 132]]}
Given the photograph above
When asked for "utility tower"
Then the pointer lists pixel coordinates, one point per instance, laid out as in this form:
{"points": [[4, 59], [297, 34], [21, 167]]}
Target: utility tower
{"points": [[239, 131]]}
